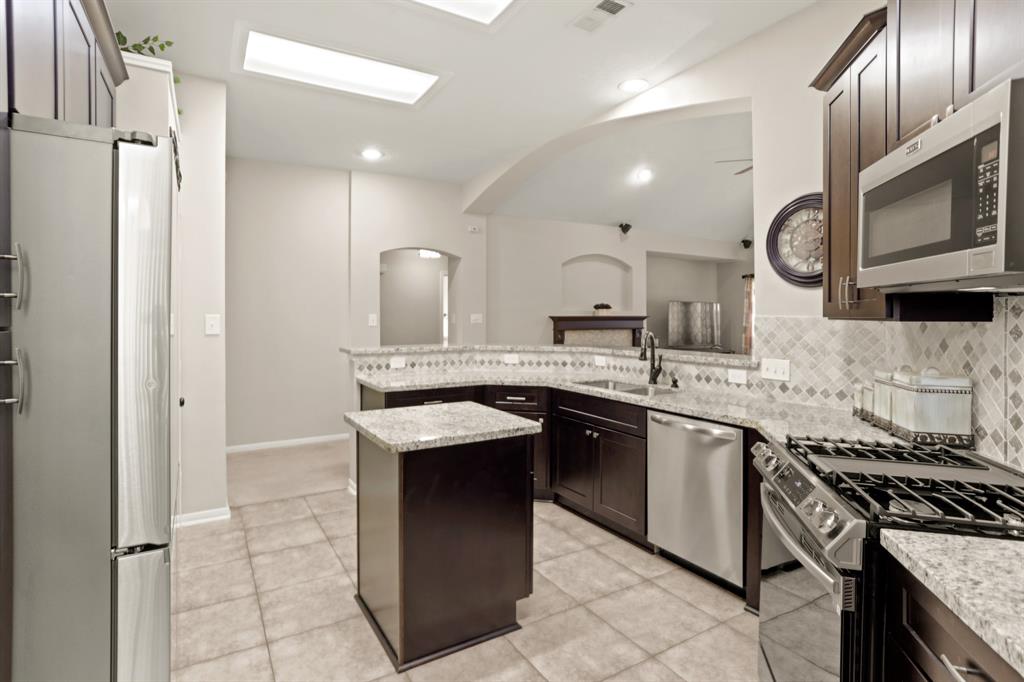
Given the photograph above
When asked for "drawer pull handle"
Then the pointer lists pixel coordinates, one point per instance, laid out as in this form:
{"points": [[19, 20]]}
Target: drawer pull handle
{"points": [[517, 398], [958, 671], [432, 402]]}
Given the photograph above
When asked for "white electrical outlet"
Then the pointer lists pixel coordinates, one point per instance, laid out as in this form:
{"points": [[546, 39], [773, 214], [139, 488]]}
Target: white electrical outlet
{"points": [[600, 361], [212, 324], [775, 370], [371, 320], [737, 376], [397, 363], [476, 318], [510, 358]]}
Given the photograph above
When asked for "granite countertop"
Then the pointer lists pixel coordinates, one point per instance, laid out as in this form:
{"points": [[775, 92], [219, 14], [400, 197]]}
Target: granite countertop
{"points": [[774, 419], [981, 580], [404, 429]]}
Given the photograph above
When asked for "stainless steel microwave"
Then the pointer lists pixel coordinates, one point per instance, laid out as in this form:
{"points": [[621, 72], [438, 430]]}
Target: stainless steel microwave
{"points": [[945, 211]]}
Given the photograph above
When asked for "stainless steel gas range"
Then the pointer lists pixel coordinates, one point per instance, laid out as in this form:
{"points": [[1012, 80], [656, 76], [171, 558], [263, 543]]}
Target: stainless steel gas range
{"points": [[827, 500]]}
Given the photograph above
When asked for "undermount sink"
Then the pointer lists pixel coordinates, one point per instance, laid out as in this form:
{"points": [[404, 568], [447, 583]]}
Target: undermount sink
{"points": [[626, 387]]}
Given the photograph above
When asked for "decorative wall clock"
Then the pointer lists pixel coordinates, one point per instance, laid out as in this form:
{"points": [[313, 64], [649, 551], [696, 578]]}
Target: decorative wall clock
{"points": [[795, 241]]}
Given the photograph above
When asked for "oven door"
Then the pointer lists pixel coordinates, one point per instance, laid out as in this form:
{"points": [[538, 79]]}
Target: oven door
{"points": [[801, 622]]}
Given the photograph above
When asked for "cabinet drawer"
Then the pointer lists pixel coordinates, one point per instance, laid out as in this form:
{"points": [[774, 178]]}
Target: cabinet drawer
{"points": [[433, 396], [518, 398], [611, 414]]}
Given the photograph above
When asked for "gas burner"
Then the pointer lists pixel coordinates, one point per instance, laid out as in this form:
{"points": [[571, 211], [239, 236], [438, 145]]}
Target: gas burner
{"points": [[906, 453]]}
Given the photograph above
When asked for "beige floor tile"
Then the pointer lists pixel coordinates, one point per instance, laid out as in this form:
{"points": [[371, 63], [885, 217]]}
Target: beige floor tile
{"points": [[346, 652], [702, 593], [214, 631], [638, 560], [721, 653], [295, 565], [648, 671], [776, 601], [338, 524], [588, 533], [545, 600], [575, 645], [212, 584], [651, 617], [812, 631], [549, 511], [745, 624], [788, 666], [336, 500], [206, 550], [801, 583], [278, 511], [251, 665], [587, 575], [347, 549], [550, 542], [297, 608], [197, 530], [493, 661], [277, 536], [393, 677], [287, 472]]}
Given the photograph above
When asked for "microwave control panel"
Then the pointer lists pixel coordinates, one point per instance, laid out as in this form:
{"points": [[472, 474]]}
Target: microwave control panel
{"points": [[986, 204]]}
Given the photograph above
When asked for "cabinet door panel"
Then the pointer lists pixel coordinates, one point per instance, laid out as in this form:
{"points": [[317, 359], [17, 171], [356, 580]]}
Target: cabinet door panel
{"points": [[33, 35], [920, 64], [541, 453], [836, 207], [76, 57], [989, 40], [620, 485], [573, 466], [104, 95]]}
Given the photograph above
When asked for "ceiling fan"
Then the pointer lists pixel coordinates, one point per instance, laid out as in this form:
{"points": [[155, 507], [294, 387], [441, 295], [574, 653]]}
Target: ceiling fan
{"points": [[739, 172]]}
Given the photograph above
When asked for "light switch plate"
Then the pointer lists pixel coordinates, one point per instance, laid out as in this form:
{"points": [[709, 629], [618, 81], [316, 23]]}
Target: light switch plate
{"points": [[476, 318], [510, 358], [397, 363], [775, 369], [371, 320], [737, 376], [600, 361], [212, 324]]}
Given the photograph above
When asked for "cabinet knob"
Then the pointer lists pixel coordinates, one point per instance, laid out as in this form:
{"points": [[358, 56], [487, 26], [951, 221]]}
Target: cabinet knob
{"points": [[589, 432], [596, 434]]}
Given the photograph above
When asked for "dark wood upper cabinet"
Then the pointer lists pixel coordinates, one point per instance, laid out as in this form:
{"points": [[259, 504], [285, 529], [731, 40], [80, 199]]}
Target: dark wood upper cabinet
{"points": [[77, 76], [106, 99], [837, 202], [989, 42], [620, 479], [920, 65], [32, 36]]}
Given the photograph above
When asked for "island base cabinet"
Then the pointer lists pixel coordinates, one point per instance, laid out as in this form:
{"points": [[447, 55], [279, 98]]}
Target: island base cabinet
{"points": [[444, 544]]}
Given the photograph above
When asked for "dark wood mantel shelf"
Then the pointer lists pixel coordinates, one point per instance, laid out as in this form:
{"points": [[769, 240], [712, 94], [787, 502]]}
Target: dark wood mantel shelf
{"points": [[562, 323]]}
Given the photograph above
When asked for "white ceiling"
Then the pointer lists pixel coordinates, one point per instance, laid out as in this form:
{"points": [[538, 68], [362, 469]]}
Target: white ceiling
{"points": [[505, 89], [690, 194]]}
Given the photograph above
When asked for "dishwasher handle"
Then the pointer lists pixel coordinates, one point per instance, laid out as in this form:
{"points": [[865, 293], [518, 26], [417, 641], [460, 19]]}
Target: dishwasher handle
{"points": [[720, 434]]}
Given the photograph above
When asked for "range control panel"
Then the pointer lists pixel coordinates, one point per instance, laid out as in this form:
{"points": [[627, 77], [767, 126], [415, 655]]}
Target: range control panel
{"points": [[793, 485]]}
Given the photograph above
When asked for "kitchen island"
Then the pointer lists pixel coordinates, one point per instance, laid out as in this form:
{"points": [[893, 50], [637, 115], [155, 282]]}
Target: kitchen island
{"points": [[445, 524]]}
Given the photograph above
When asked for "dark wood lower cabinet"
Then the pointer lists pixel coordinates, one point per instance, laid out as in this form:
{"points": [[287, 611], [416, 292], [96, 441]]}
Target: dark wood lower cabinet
{"points": [[572, 466], [921, 631]]}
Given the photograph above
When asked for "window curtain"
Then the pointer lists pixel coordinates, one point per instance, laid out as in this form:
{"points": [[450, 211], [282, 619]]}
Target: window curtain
{"points": [[748, 314]]}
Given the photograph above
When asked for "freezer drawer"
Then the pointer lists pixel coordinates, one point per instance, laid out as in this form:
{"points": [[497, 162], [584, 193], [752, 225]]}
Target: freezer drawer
{"points": [[143, 616], [695, 493]]}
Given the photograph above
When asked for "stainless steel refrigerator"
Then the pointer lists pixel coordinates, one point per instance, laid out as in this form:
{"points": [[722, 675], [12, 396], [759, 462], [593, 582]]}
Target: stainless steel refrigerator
{"points": [[89, 339]]}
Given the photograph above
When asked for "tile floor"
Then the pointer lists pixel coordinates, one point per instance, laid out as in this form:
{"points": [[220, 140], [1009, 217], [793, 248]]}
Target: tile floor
{"points": [[268, 595]]}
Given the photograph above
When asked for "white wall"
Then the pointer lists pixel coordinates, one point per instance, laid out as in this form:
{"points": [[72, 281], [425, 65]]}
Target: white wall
{"points": [[204, 475], [524, 268], [287, 297], [410, 298], [676, 279], [391, 212]]}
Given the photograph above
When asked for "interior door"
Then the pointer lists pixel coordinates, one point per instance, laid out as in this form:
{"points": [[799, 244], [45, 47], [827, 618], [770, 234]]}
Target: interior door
{"points": [[573, 468], [143, 625]]}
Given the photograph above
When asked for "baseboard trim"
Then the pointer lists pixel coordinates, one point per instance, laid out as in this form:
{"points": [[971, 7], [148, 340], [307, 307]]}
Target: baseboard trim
{"points": [[204, 516], [291, 443]]}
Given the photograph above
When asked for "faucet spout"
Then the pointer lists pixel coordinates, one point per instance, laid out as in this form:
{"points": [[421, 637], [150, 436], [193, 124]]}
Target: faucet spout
{"points": [[651, 340]]}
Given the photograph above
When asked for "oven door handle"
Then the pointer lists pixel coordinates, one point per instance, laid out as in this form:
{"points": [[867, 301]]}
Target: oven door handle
{"points": [[805, 559]]}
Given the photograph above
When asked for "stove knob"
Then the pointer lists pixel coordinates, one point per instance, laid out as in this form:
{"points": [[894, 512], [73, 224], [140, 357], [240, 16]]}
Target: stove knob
{"points": [[812, 507], [770, 462], [828, 520]]}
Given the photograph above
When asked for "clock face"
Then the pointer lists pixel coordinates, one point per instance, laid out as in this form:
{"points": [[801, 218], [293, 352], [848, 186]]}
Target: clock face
{"points": [[799, 241], [795, 248]]}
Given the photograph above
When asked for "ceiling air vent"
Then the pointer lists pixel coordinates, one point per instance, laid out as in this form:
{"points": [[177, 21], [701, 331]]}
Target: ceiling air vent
{"points": [[594, 18]]}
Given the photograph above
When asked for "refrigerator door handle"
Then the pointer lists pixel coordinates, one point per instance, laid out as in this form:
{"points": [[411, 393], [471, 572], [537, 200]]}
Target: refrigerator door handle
{"points": [[18, 258], [20, 364]]}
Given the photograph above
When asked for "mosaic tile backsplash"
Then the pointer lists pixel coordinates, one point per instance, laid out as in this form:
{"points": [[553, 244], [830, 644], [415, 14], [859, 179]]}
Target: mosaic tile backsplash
{"points": [[827, 357]]}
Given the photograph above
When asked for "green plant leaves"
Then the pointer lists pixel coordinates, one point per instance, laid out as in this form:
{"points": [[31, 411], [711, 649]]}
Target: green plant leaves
{"points": [[148, 45]]}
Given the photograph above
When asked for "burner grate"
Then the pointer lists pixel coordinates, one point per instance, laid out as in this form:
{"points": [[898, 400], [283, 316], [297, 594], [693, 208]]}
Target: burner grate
{"points": [[909, 453], [932, 504]]}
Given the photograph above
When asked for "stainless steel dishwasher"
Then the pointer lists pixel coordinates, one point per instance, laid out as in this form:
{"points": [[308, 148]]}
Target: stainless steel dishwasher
{"points": [[695, 493]]}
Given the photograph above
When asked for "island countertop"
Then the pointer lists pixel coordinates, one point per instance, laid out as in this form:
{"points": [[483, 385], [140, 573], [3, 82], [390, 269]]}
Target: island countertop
{"points": [[405, 429]]}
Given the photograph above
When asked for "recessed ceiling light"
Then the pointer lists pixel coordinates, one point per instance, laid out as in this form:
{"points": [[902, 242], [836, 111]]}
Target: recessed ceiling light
{"points": [[634, 85], [283, 58], [642, 175], [481, 11], [372, 154], [427, 253]]}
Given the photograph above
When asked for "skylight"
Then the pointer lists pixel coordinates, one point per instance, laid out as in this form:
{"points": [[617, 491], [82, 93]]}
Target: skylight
{"points": [[481, 11], [283, 58]]}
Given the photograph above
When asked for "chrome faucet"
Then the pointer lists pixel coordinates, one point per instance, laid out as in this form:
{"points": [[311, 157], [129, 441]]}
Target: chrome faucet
{"points": [[650, 339]]}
